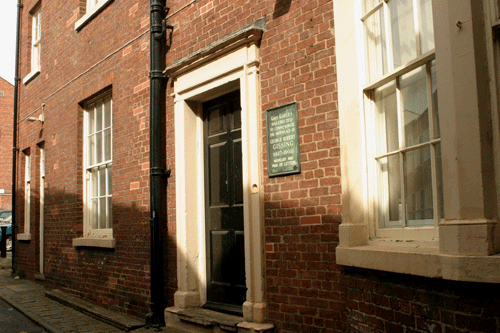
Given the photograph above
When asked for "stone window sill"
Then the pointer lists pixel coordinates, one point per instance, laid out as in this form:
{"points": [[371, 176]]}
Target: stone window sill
{"points": [[420, 258], [24, 237], [91, 14], [31, 76], [108, 243]]}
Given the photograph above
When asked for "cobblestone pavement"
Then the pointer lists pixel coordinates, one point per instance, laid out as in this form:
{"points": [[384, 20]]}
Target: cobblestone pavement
{"points": [[29, 298]]}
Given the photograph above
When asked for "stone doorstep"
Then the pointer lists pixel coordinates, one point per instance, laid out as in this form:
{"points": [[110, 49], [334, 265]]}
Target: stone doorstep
{"points": [[212, 319], [115, 319]]}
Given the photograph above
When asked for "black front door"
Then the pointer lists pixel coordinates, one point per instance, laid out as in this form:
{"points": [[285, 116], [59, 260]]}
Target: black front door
{"points": [[224, 204]]}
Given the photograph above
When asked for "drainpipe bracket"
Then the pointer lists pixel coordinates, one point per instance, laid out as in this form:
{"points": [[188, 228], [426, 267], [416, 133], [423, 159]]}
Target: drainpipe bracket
{"points": [[167, 26], [157, 74], [161, 172]]}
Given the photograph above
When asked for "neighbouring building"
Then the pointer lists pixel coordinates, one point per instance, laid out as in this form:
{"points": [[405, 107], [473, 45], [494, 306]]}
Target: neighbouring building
{"points": [[6, 107], [82, 193], [335, 164]]}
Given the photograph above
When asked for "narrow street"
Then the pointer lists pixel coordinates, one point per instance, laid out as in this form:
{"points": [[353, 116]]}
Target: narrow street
{"points": [[12, 321]]}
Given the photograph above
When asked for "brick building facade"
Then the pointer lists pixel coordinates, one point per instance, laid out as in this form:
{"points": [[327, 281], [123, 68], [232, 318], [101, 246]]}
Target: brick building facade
{"points": [[86, 64], [6, 107], [293, 251]]}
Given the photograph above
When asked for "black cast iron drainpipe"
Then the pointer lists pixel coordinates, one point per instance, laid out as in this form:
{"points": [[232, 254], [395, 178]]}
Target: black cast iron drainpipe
{"points": [[14, 139], [158, 172]]}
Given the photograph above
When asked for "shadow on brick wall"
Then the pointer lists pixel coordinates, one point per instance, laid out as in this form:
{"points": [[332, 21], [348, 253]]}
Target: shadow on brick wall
{"points": [[118, 278], [281, 7]]}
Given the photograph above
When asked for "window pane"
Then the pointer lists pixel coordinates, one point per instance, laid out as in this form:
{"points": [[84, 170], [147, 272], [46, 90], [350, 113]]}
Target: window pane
{"points": [[109, 181], [91, 124], [435, 115], [91, 151], [389, 192], [107, 113], [93, 214], [94, 182], [102, 181], [98, 117], [386, 118], [403, 32], [39, 25], [34, 29], [37, 22], [36, 56], [376, 45], [91, 4], [415, 108], [107, 144], [98, 147], [418, 181], [426, 26], [102, 213], [369, 4], [110, 213]]}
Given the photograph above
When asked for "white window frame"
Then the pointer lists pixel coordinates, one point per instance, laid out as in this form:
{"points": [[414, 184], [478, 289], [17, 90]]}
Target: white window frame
{"points": [[93, 7], [36, 44], [91, 4], [27, 192], [468, 240], [92, 168], [379, 195], [36, 37]]}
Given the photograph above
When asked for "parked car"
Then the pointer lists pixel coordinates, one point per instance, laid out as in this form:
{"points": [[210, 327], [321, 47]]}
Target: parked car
{"points": [[7, 221], [4, 214]]}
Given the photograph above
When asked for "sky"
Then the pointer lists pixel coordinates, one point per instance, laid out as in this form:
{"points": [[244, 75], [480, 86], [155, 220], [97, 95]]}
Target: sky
{"points": [[8, 16]]}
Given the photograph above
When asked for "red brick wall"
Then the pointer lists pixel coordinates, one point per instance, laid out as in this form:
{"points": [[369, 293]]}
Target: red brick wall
{"points": [[302, 212], [306, 291], [6, 113], [387, 302], [110, 53]]}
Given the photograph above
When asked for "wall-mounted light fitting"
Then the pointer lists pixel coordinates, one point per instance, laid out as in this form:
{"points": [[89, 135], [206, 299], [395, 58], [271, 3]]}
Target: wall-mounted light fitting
{"points": [[40, 118]]}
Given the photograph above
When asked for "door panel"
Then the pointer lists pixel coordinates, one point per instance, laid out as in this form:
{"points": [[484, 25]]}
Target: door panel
{"points": [[218, 168], [224, 204]]}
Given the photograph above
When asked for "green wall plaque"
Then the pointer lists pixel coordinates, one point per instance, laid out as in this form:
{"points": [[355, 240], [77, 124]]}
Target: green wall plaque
{"points": [[283, 153]]}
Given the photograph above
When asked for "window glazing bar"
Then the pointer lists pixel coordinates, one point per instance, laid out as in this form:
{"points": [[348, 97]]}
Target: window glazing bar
{"points": [[372, 11], [419, 61], [407, 149]]}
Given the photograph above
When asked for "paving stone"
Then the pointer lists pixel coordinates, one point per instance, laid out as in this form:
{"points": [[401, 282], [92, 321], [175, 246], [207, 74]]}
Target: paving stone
{"points": [[29, 298]]}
